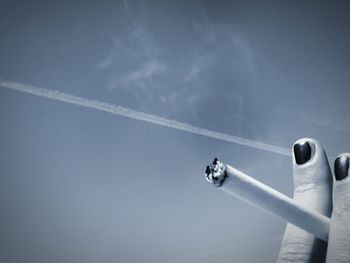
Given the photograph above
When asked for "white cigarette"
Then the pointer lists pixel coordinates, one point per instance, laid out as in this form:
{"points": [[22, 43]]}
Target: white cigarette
{"points": [[246, 188]]}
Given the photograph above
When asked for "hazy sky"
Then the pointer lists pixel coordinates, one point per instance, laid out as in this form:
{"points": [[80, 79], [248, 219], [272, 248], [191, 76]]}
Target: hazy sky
{"points": [[79, 185]]}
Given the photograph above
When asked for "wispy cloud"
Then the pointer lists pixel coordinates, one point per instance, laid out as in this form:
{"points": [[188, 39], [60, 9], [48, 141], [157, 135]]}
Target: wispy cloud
{"points": [[141, 65], [192, 74], [126, 5], [146, 72], [245, 52], [106, 62]]}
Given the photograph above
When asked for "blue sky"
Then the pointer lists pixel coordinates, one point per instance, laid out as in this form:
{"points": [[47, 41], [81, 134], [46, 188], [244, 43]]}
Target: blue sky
{"points": [[83, 185]]}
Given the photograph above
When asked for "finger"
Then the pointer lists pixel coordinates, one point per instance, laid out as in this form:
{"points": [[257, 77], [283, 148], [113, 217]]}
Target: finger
{"points": [[313, 190], [339, 232]]}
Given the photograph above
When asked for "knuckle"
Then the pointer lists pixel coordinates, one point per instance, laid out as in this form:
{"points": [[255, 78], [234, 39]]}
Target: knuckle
{"points": [[307, 250], [294, 252]]}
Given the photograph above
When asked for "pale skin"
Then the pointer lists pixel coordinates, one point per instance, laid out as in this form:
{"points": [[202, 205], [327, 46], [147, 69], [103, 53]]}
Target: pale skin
{"points": [[316, 188]]}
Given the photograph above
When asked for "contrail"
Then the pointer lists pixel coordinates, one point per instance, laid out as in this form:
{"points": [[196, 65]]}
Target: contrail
{"points": [[137, 115]]}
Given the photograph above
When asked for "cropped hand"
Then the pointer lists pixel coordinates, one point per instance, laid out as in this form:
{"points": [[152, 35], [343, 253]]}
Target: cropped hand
{"points": [[316, 189]]}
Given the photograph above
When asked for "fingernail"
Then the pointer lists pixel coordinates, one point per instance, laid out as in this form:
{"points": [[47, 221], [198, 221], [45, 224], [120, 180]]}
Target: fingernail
{"points": [[341, 167], [302, 152]]}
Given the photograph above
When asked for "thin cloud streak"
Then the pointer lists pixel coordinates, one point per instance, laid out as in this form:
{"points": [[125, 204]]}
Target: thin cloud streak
{"points": [[137, 115], [146, 72]]}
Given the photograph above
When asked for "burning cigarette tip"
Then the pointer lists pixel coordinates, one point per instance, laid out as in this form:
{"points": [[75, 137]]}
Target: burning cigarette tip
{"points": [[215, 173]]}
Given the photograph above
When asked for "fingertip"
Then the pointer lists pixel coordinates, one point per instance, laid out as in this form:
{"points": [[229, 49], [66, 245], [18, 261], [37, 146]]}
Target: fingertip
{"points": [[307, 151], [341, 166], [312, 175], [339, 231]]}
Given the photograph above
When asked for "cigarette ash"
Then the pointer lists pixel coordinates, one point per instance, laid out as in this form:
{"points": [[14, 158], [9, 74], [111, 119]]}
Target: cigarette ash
{"points": [[216, 173]]}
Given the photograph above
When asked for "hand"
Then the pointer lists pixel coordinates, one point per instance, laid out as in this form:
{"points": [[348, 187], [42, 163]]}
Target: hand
{"points": [[315, 189]]}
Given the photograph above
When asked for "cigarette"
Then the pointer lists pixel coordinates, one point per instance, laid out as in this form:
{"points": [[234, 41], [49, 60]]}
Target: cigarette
{"points": [[238, 184]]}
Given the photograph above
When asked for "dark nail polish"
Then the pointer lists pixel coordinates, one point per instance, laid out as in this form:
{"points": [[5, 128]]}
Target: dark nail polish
{"points": [[302, 152], [341, 167], [208, 170]]}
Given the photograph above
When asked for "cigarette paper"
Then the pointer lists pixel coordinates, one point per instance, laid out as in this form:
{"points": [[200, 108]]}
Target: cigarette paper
{"points": [[238, 184]]}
